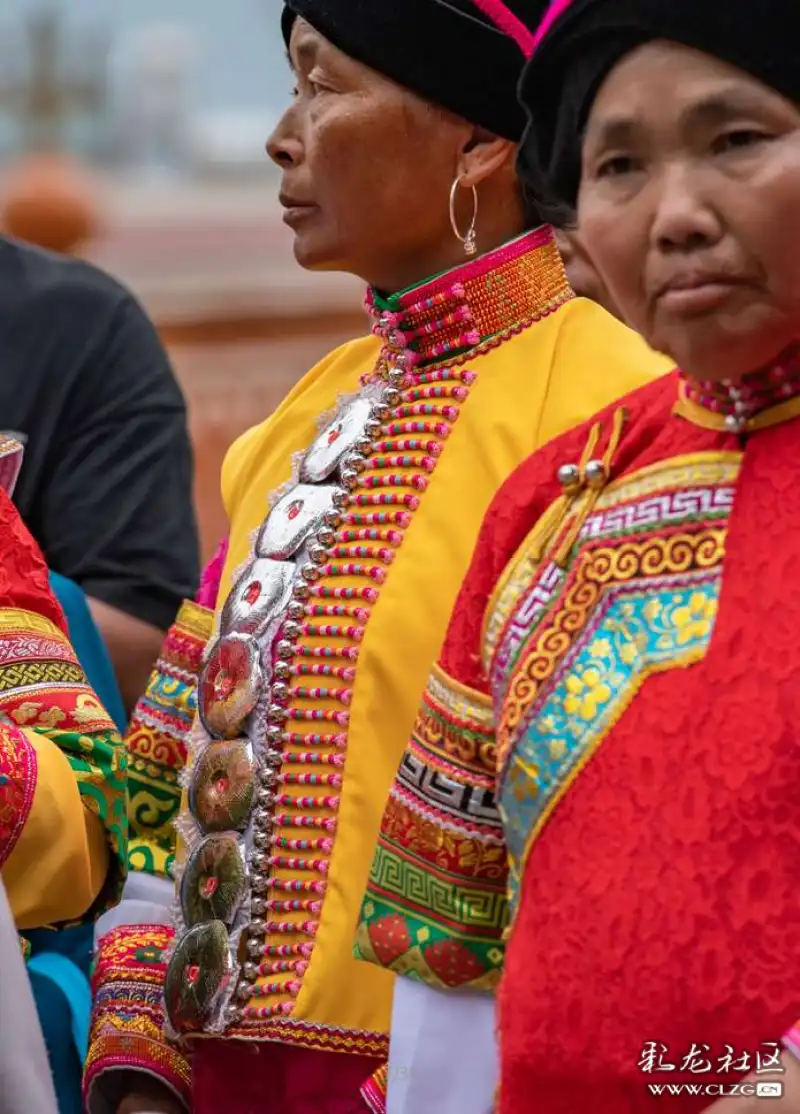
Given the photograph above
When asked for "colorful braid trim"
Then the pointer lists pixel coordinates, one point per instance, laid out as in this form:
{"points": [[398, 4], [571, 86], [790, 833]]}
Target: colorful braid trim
{"points": [[469, 311]]}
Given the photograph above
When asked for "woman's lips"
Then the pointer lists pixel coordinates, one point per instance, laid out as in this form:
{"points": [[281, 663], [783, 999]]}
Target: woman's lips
{"points": [[296, 214], [696, 296]]}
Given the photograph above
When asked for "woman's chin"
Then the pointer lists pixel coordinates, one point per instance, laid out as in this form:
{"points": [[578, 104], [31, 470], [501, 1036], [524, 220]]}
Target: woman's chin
{"points": [[315, 256], [711, 354]]}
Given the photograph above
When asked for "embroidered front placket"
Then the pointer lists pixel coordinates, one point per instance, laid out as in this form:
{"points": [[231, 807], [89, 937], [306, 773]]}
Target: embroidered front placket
{"points": [[243, 705]]}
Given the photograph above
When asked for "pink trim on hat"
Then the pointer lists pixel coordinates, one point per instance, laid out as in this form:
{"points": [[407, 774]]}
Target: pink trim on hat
{"points": [[557, 8], [505, 19]]}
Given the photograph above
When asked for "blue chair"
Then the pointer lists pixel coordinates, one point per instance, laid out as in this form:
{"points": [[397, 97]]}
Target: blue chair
{"points": [[60, 962]]}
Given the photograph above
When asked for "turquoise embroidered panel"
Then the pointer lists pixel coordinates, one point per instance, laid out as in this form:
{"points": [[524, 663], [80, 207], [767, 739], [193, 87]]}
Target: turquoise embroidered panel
{"points": [[636, 629]]}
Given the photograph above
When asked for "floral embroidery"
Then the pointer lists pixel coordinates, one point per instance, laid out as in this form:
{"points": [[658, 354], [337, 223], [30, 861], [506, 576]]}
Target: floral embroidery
{"points": [[622, 613], [587, 692], [437, 894], [695, 618], [44, 689], [17, 785]]}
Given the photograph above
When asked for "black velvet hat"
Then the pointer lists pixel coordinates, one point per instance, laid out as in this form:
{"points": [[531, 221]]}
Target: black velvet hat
{"points": [[447, 51], [581, 46]]}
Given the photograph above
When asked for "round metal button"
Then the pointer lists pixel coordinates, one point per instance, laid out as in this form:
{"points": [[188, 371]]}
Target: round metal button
{"points": [[214, 882], [260, 594], [199, 973], [222, 786], [230, 685]]}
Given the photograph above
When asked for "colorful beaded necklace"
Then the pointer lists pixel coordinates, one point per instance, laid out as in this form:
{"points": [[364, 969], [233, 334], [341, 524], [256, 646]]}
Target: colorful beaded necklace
{"points": [[740, 406]]}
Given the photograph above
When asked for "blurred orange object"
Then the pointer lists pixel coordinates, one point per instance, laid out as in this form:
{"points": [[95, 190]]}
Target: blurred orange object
{"points": [[49, 201]]}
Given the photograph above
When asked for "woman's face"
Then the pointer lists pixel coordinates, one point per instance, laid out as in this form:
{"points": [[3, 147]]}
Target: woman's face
{"points": [[367, 167], [690, 207]]}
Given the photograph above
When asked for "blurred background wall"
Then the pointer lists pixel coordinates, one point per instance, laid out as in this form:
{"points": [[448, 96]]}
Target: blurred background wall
{"points": [[133, 134]]}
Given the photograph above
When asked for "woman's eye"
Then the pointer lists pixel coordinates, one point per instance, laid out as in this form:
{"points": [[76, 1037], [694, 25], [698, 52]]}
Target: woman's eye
{"points": [[615, 167], [738, 140], [317, 83]]}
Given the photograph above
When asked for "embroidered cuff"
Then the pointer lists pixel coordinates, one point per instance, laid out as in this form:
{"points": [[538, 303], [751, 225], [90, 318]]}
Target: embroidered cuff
{"points": [[128, 1017], [435, 906]]}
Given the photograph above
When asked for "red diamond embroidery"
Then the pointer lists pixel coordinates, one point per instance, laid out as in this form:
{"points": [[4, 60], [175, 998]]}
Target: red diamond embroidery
{"points": [[293, 510], [334, 434]]}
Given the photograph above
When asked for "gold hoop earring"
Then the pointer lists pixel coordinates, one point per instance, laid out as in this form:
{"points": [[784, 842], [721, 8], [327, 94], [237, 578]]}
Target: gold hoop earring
{"points": [[469, 239]]}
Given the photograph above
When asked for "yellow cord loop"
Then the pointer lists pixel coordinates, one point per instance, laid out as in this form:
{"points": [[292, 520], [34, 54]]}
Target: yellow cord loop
{"points": [[593, 476], [570, 478]]}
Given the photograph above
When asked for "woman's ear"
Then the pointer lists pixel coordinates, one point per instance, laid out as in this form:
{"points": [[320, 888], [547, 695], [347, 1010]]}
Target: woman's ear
{"points": [[483, 155]]}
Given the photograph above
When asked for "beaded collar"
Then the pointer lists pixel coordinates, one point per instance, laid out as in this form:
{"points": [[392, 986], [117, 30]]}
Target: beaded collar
{"points": [[481, 302], [756, 401]]}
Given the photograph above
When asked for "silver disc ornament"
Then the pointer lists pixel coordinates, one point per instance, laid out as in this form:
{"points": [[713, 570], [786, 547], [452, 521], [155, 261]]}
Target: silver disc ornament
{"points": [[230, 685], [222, 786], [199, 973], [336, 441], [294, 519], [214, 881], [258, 596]]}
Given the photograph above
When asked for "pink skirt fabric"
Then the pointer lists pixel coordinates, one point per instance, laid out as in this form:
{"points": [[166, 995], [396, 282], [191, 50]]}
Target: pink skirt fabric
{"points": [[249, 1077]]}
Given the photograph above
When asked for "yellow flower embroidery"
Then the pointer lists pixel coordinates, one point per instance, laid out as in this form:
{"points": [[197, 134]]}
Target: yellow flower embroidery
{"points": [[587, 694], [628, 653], [600, 648], [557, 748], [694, 619], [652, 609], [37, 715]]}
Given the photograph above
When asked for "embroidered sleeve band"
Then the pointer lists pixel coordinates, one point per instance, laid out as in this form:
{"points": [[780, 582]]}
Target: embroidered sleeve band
{"points": [[156, 741], [128, 1018], [435, 908]]}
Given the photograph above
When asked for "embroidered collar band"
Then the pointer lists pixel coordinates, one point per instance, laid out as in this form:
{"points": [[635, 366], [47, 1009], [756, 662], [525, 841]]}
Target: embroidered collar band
{"points": [[478, 304]]}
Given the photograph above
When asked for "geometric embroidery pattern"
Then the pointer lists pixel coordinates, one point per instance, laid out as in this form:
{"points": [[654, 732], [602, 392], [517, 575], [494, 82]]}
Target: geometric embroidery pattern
{"points": [[436, 904], [629, 603], [156, 741]]}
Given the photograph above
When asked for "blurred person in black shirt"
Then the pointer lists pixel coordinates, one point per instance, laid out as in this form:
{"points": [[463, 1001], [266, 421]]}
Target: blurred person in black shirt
{"points": [[106, 482]]}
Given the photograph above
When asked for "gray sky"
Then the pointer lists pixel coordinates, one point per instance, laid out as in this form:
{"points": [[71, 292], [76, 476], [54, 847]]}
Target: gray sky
{"points": [[243, 63]]}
